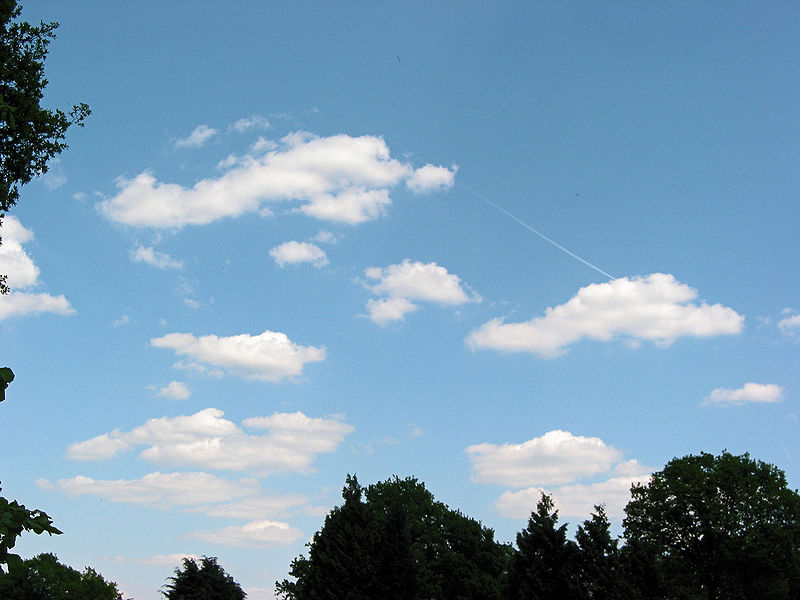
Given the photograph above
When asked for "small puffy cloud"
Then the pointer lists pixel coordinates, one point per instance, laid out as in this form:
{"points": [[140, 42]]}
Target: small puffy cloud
{"points": [[159, 490], [431, 178], [22, 274], [325, 237], [269, 356], [578, 500], [198, 137], [154, 258], [557, 457], [174, 390], [389, 309], [790, 324], [656, 308], [256, 534], [339, 178], [252, 122], [759, 393], [407, 281], [292, 253], [207, 440], [121, 322]]}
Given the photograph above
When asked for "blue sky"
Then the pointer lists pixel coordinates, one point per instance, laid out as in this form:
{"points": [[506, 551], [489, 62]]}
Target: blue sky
{"points": [[299, 240]]}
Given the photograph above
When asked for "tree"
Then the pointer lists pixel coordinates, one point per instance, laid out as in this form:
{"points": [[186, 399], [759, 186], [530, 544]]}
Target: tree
{"points": [[718, 527], [44, 578], [392, 540], [545, 564], [204, 581], [14, 519], [603, 573], [30, 135]]}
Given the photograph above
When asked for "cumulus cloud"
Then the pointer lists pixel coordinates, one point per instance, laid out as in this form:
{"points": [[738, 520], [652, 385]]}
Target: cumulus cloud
{"points": [[22, 275], [578, 500], [791, 323], [198, 137], [256, 534], [207, 440], [269, 356], [292, 253], [339, 178], [430, 178], [159, 490], [557, 457], [174, 390], [759, 393], [656, 308], [154, 258], [407, 281]]}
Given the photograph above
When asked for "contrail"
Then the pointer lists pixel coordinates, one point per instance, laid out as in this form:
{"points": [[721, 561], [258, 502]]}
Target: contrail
{"points": [[529, 228]]}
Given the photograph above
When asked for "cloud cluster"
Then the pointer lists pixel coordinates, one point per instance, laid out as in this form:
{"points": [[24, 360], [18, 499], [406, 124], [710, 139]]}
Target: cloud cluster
{"points": [[407, 281], [269, 356], [207, 440], [758, 393], [339, 178], [22, 275], [292, 253], [199, 136], [654, 308], [555, 463]]}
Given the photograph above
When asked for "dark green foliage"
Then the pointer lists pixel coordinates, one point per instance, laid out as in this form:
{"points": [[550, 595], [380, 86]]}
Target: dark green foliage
{"points": [[14, 519], [545, 565], [204, 581], [717, 527], [6, 377], [44, 578], [392, 540], [603, 573], [30, 135]]}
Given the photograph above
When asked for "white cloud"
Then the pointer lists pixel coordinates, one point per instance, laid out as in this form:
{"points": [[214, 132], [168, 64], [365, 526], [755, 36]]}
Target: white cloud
{"points": [[292, 253], [207, 440], [578, 500], [253, 122], [408, 281], [655, 308], [430, 178], [151, 256], [122, 321], [790, 324], [339, 178], [557, 457], [389, 309], [270, 356], [749, 393], [198, 137], [23, 274], [159, 560], [256, 534], [325, 237], [174, 390], [159, 490], [260, 507]]}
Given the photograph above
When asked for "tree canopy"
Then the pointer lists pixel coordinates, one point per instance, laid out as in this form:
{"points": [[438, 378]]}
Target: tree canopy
{"points": [[204, 581], [30, 135], [43, 577], [718, 527], [392, 540]]}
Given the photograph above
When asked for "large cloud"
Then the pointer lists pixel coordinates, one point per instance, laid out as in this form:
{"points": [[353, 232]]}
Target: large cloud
{"points": [[556, 457], [407, 281], [758, 393], [207, 440], [23, 275], [656, 308], [269, 356], [339, 178], [160, 490], [578, 499]]}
